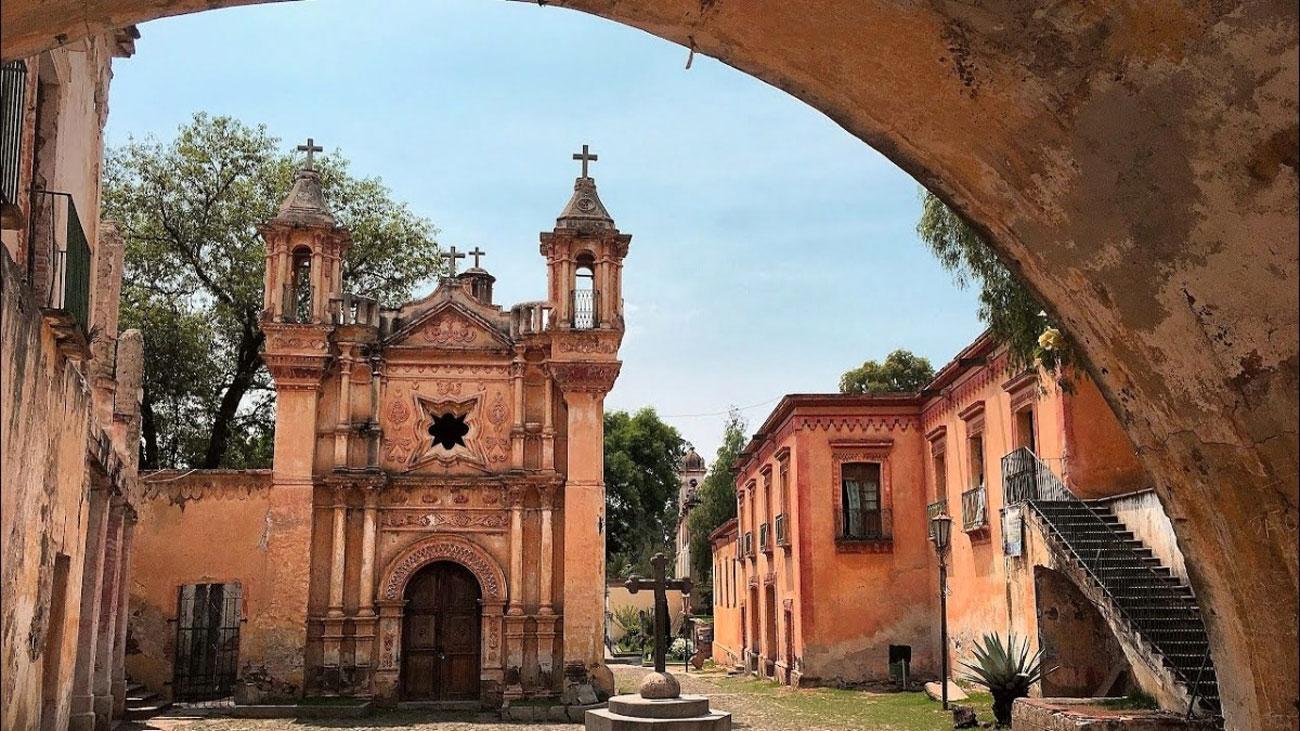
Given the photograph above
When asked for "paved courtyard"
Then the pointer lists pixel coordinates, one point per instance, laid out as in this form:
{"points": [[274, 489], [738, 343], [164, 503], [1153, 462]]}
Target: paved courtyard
{"points": [[753, 704]]}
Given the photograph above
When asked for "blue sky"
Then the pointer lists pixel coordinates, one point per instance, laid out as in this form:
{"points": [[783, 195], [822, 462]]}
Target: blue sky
{"points": [[771, 250]]}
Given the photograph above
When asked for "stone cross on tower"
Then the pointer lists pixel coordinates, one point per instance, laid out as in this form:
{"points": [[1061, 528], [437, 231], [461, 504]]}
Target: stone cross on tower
{"points": [[585, 157], [476, 253], [451, 256], [660, 584], [309, 148]]}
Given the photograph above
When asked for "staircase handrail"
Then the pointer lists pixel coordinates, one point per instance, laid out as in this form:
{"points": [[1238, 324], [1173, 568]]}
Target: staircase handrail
{"points": [[1047, 487]]}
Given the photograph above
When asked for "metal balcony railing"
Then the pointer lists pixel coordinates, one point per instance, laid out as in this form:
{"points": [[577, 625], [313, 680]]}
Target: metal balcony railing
{"points": [[67, 284], [975, 509], [584, 306], [931, 510], [782, 532], [749, 544], [13, 91], [764, 539]]}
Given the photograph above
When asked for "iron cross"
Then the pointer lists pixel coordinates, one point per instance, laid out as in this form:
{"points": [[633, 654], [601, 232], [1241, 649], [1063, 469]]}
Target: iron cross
{"points": [[451, 256], [309, 148], [476, 253], [585, 157], [660, 585]]}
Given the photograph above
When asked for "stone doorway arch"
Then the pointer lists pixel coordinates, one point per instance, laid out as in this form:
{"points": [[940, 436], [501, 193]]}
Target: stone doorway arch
{"points": [[1136, 163], [391, 604]]}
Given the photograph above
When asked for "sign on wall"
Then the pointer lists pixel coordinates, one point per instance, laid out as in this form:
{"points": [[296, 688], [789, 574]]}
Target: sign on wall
{"points": [[1013, 531]]}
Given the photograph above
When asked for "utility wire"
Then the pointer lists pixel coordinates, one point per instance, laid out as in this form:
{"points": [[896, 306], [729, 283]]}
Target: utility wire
{"points": [[721, 413]]}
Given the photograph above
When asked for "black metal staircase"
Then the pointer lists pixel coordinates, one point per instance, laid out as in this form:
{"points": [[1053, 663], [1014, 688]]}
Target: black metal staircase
{"points": [[1156, 605]]}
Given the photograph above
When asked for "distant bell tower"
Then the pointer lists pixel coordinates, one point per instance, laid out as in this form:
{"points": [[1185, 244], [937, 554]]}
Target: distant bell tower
{"points": [[584, 256], [305, 246]]}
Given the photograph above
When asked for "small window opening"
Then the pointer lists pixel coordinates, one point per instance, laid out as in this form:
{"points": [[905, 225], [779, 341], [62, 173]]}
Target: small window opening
{"points": [[584, 293], [299, 300], [449, 430]]}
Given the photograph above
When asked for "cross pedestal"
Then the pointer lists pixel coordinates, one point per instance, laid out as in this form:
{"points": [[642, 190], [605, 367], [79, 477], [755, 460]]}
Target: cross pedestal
{"points": [[659, 704]]}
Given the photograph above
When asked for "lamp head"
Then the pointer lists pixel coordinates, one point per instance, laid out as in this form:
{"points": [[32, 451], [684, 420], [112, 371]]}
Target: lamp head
{"points": [[941, 531]]}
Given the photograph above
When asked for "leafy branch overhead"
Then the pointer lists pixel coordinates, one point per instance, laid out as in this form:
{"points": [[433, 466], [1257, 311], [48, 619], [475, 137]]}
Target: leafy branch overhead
{"points": [[189, 210], [1013, 314]]}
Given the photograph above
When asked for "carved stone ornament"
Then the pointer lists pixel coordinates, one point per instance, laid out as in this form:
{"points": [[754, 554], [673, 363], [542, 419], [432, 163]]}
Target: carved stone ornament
{"points": [[587, 343], [585, 377], [493, 520], [445, 548]]}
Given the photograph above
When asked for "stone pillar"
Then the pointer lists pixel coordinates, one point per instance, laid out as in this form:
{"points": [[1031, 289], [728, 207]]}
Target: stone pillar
{"points": [[548, 427], [364, 624], [387, 669], [584, 385], [92, 579], [515, 494], [105, 633], [517, 430], [546, 552], [344, 426], [332, 637], [123, 611], [281, 628]]}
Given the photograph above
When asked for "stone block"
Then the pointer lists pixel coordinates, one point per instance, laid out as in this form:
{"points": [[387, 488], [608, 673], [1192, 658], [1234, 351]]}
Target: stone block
{"points": [[936, 693]]}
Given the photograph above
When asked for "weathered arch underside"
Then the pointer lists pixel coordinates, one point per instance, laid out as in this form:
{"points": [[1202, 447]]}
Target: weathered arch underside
{"points": [[1136, 161]]}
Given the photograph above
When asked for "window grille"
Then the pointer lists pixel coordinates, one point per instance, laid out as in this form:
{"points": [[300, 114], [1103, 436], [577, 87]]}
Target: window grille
{"points": [[13, 91], [974, 509], [764, 544]]}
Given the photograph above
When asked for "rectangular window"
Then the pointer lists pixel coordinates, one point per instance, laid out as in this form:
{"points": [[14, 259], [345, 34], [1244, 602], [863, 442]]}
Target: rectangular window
{"points": [[976, 444], [860, 486], [940, 477]]}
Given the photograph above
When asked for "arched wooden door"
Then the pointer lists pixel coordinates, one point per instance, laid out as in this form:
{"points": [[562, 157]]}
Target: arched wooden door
{"points": [[440, 634]]}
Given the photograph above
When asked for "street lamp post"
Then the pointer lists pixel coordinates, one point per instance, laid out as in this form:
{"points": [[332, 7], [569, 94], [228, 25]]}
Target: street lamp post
{"points": [[940, 533]]}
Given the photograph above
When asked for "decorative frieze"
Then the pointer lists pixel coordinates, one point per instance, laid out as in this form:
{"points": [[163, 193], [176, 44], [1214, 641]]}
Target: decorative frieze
{"points": [[455, 519]]}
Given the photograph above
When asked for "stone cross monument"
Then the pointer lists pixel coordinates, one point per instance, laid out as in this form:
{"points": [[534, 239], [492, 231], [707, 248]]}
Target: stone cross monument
{"points": [[660, 585]]}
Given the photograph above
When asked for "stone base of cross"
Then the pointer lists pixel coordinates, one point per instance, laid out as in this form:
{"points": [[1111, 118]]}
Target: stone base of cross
{"points": [[660, 683]]}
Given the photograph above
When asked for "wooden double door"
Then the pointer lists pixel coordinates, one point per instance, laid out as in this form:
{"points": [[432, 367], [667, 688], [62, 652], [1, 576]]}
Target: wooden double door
{"points": [[441, 625]]}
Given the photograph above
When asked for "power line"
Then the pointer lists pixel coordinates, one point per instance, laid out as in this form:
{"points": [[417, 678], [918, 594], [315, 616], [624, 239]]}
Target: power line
{"points": [[721, 413]]}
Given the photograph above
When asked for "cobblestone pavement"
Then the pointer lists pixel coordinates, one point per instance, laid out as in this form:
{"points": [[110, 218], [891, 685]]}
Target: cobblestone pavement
{"points": [[753, 704]]}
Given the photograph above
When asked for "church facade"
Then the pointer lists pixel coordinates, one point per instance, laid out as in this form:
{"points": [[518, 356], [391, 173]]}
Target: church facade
{"points": [[433, 526]]}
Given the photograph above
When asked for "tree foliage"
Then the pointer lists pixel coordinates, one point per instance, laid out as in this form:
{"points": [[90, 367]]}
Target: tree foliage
{"points": [[717, 505], [901, 372], [189, 210], [1014, 316], [641, 457]]}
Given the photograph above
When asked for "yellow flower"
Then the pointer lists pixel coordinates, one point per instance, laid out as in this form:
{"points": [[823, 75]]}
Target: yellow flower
{"points": [[1051, 339]]}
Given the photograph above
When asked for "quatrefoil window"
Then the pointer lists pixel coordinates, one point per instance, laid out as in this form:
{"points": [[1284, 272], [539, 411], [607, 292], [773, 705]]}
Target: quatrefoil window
{"points": [[449, 430]]}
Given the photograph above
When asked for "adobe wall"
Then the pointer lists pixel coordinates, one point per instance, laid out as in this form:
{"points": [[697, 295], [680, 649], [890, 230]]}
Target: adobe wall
{"points": [[44, 491], [1101, 459], [208, 526], [857, 600], [617, 595], [727, 649], [1074, 639]]}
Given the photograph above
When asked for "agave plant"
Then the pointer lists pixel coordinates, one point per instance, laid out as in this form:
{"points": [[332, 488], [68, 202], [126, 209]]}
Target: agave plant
{"points": [[1006, 670]]}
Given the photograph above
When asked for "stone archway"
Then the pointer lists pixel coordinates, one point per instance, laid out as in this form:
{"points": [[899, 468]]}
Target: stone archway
{"points": [[392, 588], [1135, 161]]}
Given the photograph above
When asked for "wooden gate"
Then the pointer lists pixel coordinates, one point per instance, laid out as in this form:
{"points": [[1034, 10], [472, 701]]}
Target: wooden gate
{"points": [[207, 641]]}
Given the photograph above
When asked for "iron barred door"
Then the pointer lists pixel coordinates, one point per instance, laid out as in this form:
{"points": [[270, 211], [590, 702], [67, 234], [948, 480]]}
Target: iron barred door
{"points": [[207, 641]]}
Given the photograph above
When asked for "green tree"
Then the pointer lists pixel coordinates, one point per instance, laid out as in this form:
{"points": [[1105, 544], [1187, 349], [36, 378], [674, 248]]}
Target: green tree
{"points": [[717, 505], [901, 372], [1014, 316], [189, 209], [641, 457]]}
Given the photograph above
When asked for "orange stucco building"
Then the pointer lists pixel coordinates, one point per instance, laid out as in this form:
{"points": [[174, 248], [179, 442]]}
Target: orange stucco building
{"points": [[829, 575], [432, 528]]}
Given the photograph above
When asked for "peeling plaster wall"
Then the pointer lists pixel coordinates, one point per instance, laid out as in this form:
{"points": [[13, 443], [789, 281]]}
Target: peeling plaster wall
{"points": [[45, 488], [201, 527]]}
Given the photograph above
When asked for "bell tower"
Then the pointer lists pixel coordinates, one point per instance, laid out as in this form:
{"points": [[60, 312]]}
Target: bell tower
{"points": [[305, 247], [584, 255]]}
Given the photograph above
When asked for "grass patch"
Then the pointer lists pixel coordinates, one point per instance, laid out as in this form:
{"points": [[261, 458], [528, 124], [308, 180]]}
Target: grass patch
{"points": [[1135, 700], [850, 709]]}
